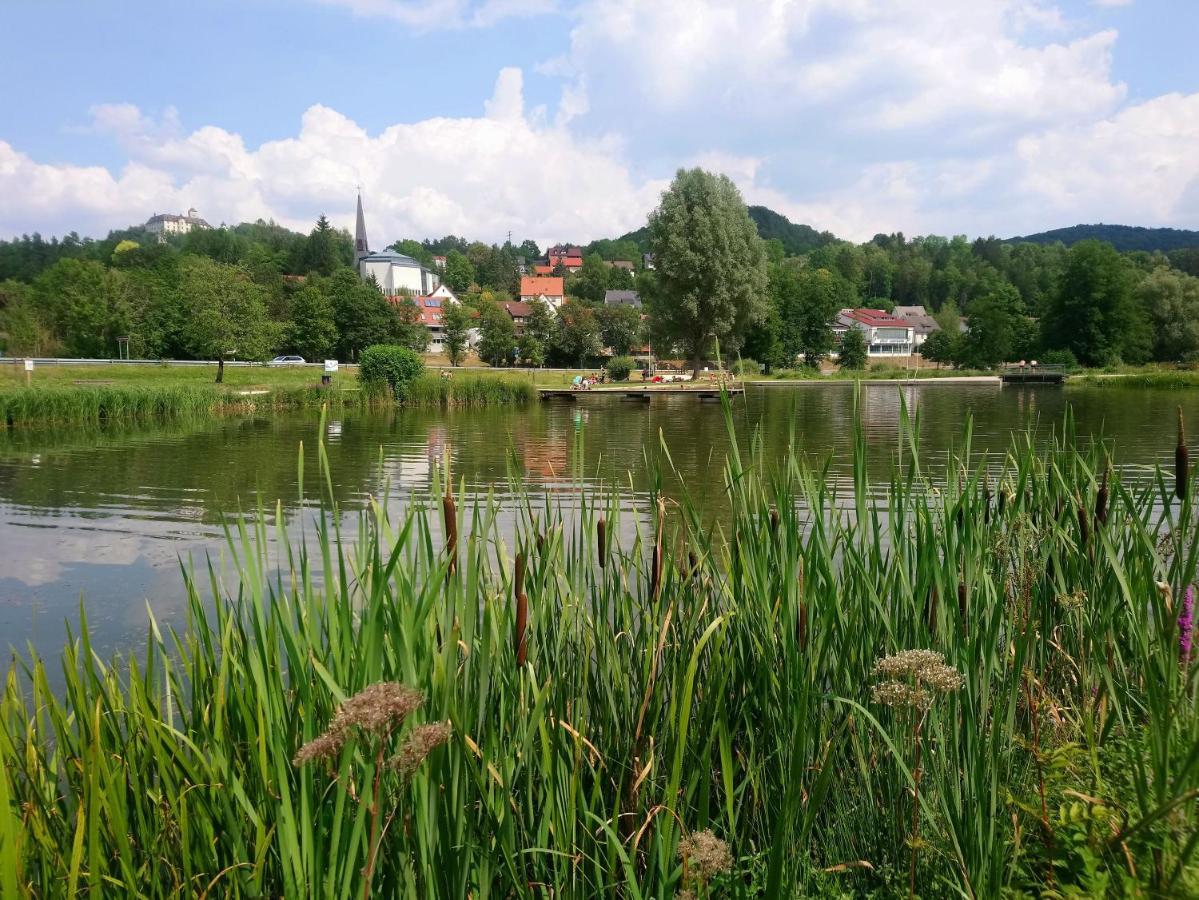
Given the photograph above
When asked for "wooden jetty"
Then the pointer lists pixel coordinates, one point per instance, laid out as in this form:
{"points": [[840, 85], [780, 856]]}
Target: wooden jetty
{"points": [[1032, 374], [639, 394]]}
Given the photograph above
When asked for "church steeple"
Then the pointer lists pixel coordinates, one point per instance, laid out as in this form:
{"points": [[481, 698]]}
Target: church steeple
{"points": [[361, 247]]}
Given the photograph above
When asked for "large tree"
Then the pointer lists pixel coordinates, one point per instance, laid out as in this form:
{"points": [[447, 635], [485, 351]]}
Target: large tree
{"points": [[459, 273], [312, 332], [808, 302], [1093, 313], [83, 303], [363, 315], [497, 336], [227, 313], [709, 262], [455, 320], [326, 250], [997, 323], [620, 327], [577, 338], [1171, 301]]}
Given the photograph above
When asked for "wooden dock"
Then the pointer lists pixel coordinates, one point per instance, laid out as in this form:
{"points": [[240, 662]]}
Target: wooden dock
{"points": [[1033, 374], [639, 394]]}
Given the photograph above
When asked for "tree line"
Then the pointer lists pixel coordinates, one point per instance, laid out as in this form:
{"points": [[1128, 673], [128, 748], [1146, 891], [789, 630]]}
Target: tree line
{"points": [[257, 289]]}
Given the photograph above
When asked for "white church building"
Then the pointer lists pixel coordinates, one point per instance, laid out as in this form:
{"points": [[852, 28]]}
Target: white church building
{"points": [[394, 272]]}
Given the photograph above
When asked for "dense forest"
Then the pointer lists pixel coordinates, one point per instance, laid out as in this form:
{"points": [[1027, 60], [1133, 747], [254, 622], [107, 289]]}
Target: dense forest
{"points": [[257, 289], [1122, 237]]}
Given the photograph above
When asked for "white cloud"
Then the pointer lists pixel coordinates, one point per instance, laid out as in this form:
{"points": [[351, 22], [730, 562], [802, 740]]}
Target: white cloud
{"points": [[1112, 3], [472, 176], [431, 15]]}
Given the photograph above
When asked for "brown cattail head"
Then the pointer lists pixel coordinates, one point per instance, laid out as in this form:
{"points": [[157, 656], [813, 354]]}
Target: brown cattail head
{"points": [[986, 500], [1002, 503], [450, 511], [1101, 500], [774, 520], [601, 540], [1182, 461], [518, 634], [518, 575], [693, 563], [1084, 529]]}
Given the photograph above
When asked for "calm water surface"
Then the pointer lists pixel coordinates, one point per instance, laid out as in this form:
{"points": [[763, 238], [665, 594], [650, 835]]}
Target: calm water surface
{"points": [[106, 515]]}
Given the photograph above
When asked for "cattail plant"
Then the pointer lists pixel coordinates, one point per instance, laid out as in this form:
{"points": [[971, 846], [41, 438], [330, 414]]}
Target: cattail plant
{"points": [[450, 515], [1101, 497], [522, 611], [1182, 461], [601, 541]]}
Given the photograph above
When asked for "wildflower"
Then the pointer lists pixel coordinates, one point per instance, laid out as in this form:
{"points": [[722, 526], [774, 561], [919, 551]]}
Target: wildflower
{"points": [[912, 678], [421, 741], [704, 854], [1186, 625], [376, 709]]}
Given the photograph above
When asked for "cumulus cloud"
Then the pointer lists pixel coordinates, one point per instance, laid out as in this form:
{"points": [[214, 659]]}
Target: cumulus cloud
{"points": [[505, 170]]}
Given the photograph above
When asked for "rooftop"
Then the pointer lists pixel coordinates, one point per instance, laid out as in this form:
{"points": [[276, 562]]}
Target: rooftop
{"points": [[536, 285]]}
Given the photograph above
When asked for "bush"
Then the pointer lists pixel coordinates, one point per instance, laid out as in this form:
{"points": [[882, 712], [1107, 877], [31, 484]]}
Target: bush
{"points": [[619, 367], [745, 367], [1060, 358], [387, 364]]}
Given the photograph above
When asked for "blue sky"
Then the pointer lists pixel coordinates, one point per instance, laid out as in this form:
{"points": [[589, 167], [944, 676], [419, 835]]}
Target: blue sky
{"points": [[564, 119]]}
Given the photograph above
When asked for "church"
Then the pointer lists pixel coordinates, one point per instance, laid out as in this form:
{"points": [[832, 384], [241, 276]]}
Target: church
{"points": [[395, 273]]}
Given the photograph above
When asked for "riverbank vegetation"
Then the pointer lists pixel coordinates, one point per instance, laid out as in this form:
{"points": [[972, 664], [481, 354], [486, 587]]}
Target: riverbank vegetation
{"points": [[983, 685]]}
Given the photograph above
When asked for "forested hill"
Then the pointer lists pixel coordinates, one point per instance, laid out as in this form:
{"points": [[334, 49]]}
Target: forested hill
{"points": [[1123, 237], [795, 237]]}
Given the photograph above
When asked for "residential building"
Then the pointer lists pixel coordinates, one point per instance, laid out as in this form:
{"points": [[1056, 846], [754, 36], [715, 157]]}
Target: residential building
{"points": [[163, 224], [431, 309], [886, 335], [543, 270], [622, 298], [922, 323], [519, 313], [439, 263], [619, 264], [394, 272], [569, 257], [647, 260], [548, 289], [443, 291]]}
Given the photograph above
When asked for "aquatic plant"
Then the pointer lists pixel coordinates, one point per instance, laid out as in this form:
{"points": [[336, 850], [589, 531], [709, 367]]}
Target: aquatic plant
{"points": [[712, 677]]}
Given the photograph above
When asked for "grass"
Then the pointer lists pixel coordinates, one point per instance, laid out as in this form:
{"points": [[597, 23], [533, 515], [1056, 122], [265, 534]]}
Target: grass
{"points": [[88, 395], [465, 389], [1153, 378], [683, 689]]}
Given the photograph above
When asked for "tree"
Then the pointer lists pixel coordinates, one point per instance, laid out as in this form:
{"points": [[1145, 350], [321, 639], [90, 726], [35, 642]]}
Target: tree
{"points": [[709, 262], [313, 331], [529, 250], [227, 313], [591, 281], [1171, 302], [326, 249], [459, 273], [620, 328], [391, 365], [995, 324], [540, 324], [808, 302], [81, 301], [455, 321], [1093, 313], [410, 330], [497, 336], [941, 347], [852, 349], [530, 350], [362, 314], [577, 338]]}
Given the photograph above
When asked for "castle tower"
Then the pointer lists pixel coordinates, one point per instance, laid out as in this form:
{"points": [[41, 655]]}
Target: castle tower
{"points": [[361, 247]]}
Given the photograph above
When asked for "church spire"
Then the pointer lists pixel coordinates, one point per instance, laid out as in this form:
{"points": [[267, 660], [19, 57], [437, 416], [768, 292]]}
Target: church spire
{"points": [[361, 248]]}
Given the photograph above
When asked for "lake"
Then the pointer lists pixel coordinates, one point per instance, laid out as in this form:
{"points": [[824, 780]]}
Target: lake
{"points": [[107, 514]]}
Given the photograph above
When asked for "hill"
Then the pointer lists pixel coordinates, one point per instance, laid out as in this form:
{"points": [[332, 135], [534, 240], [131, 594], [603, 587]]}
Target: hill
{"points": [[1122, 237], [795, 237]]}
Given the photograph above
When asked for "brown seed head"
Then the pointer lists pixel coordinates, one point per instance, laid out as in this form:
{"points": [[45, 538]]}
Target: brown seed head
{"points": [[601, 540], [421, 741]]}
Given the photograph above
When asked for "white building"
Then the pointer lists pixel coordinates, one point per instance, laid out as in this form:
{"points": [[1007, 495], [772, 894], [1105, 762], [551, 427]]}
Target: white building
{"points": [[885, 334], [922, 323], [393, 272], [163, 224]]}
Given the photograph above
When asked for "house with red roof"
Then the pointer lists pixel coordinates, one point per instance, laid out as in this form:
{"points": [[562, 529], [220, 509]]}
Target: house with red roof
{"points": [[519, 313], [886, 335], [548, 289]]}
